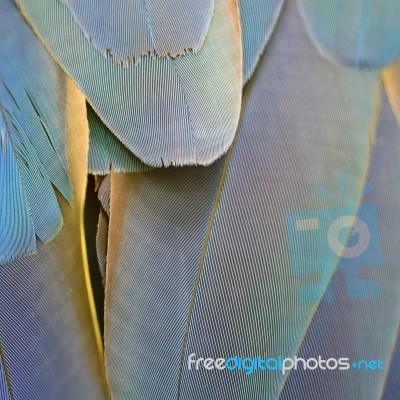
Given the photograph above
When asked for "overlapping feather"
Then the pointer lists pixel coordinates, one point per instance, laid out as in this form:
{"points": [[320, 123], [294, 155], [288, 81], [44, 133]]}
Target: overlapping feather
{"points": [[199, 259], [106, 152], [364, 326], [258, 19], [362, 33], [48, 330], [32, 138], [166, 111], [129, 29], [361, 319]]}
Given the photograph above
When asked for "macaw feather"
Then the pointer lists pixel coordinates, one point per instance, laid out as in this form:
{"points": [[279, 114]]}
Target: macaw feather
{"points": [[199, 259], [392, 383], [49, 334], [165, 111], [106, 152], [32, 139], [258, 19], [364, 300], [129, 29], [362, 34]]}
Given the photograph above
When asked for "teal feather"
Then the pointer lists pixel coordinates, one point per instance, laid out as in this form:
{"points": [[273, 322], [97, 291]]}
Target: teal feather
{"points": [[361, 319], [359, 33], [199, 259], [165, 111], [130, 29], [106, 152], [50, 347], [33, 139], [17, 236], [258, 19]]}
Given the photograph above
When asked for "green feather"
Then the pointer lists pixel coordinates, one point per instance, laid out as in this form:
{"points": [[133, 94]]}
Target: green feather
{"points": [[106, 152], [165, 111]]}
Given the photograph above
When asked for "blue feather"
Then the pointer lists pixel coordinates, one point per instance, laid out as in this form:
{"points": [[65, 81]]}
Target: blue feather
{"points": [[199, 260], [32, 125], [359, 317], [359, 33], [181, 111], [50, 344], [130, 29]]}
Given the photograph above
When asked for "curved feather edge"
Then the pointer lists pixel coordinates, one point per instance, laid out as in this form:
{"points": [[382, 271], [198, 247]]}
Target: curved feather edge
{"points": [[126, 31], [200, 260], [106, 152], [258, 20], [359, 34], [48, 326], [360, 318], [193, 118], [391, 81], [33, 139]]}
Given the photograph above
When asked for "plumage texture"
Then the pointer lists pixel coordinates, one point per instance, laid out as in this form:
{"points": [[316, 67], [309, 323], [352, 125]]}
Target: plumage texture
{"points": [[50, 342], [129, 29], [106, 152], [217, 261], [199, 259], [166, 111], [32, 138], [360, 33], [17, 235], [155, 241], [258, 19], [361, 325], [392, 383]]}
